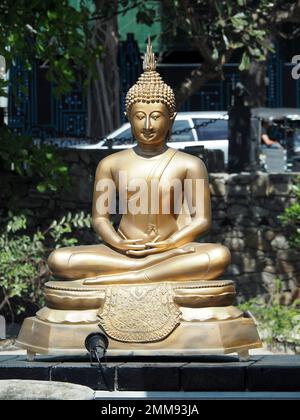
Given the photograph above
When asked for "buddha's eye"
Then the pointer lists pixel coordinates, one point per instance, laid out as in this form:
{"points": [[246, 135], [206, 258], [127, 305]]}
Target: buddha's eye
{"points": [[140, 116], [155, 116]]}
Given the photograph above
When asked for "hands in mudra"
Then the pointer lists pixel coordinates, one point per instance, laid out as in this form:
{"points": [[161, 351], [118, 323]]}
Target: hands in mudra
{"points": [[134, 247]]}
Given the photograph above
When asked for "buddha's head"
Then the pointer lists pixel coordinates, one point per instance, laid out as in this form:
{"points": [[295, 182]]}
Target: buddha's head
{"points": [[150, 105]]}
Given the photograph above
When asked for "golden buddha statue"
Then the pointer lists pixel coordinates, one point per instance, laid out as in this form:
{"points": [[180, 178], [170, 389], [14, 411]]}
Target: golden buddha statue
{"points": [[150, 287]]}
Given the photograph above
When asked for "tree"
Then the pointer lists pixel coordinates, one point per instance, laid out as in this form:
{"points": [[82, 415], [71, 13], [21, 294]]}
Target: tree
{"points": [[218, 28], [78, 39], [53, 32], [104, 90], [75, 40]]}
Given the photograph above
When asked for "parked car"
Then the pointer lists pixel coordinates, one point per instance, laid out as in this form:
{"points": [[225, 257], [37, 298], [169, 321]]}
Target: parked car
{"points": [[190, 129]]}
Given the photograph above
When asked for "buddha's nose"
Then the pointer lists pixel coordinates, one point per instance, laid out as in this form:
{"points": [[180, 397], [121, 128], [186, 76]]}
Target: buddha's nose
{"points": [[147, 125]]}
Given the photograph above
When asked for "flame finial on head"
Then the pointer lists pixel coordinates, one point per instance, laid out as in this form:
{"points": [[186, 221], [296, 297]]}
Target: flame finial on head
{"points": [[149, 63], [150, 87]]}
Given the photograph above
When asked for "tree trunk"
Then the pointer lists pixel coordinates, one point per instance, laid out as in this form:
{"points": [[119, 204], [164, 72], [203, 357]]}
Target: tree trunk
{"points": [[255, 81], [103, 98]]}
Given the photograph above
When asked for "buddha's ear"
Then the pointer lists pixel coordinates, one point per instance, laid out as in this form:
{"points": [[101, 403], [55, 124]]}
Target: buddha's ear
{"points": [[172, 117]]}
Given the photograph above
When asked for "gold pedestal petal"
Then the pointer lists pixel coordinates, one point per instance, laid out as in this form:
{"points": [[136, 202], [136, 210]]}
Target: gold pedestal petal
{"points": [[73, 295], [58, 316], [210, 314]]}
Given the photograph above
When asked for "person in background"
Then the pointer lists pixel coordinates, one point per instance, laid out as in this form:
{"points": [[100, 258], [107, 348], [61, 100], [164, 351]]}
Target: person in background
{"points": [[266, 140]]}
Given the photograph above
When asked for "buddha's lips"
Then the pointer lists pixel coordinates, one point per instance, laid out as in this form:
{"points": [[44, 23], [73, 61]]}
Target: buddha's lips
{"points": [[148, 134]]}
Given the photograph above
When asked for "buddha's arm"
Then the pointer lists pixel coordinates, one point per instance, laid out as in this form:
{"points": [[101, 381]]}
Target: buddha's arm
{"points": [[104, 202], [197, 197]]}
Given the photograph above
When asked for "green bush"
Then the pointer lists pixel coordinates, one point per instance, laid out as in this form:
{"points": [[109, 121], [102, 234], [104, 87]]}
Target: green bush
{"points": [[41, 165], [277, 323], [290, 219], [23, 268]]}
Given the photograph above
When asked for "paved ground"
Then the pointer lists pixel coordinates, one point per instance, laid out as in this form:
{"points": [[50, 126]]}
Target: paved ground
{"points": [[187, 396]]}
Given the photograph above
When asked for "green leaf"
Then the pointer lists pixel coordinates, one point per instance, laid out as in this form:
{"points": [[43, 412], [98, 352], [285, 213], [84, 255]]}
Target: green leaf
{"points": [[245, 62], [41, 188], [215, 54], [52, 15], [239, 22], [226, 40], [222, 23], [229, 5]]}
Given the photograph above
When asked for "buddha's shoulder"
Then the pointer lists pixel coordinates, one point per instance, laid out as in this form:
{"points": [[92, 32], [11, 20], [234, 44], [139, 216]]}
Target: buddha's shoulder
{"points": [[113, 158], [190, 161]]}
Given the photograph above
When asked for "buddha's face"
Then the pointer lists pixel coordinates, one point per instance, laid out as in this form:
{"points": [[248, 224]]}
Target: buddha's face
{"points": [[150, 123]]}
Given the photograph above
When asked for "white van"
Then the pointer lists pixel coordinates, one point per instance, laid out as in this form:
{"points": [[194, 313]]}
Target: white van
{"points": [[208, 129]]}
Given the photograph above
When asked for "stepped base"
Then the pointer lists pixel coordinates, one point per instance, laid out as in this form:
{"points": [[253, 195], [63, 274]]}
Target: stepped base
{"points": [[167, 319], [189, 338]]}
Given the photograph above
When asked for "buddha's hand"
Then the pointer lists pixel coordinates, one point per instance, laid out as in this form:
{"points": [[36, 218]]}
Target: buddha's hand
{"points": [[188, 249], [129, 245], [154, 248]]}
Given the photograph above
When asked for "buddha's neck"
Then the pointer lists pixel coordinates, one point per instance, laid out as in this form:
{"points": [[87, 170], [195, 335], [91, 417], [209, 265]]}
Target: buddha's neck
{"points": [[149, 150]]}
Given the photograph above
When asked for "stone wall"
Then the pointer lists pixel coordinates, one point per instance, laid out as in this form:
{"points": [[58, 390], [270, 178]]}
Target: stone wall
{"points": [[245, 218]]}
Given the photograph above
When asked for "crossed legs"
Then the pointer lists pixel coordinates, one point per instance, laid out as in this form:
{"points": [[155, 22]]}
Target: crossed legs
{"points": [[194, 261]]}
